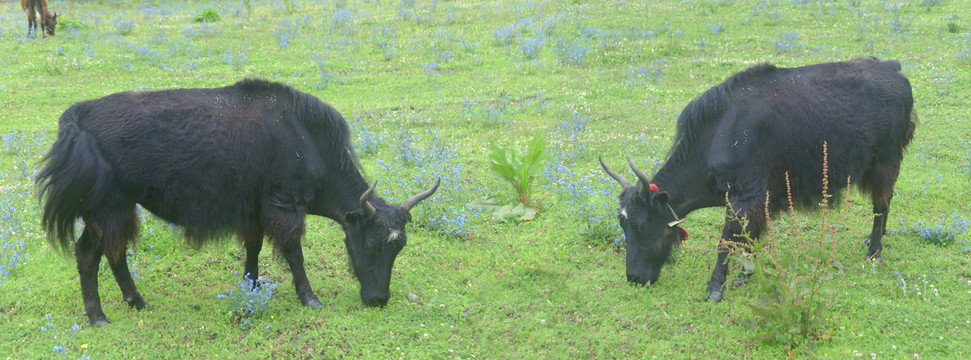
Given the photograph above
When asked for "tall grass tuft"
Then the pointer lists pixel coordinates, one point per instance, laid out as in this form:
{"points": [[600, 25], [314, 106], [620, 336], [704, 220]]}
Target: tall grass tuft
{"points": [[207, 15], [793, 273]]}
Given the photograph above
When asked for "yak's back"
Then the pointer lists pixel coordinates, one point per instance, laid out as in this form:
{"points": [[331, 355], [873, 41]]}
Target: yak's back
{"points": [[207, 158], [849, 88]]}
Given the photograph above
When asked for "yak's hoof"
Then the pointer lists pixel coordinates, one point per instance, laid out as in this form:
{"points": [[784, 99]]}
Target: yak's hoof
{"points": [[100, 322], [874, 257], [313, 302], [715, 293], [742, 279], [254, 284], [137, 304]]}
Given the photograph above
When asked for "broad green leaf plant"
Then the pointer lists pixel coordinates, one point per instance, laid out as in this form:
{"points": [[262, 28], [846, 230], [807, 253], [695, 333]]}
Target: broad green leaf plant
{"points": [[519, 170]]}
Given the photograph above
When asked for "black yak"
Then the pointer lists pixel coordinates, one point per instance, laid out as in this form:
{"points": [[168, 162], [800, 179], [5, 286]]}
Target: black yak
{"points": [[742, 139], [253, 158]]}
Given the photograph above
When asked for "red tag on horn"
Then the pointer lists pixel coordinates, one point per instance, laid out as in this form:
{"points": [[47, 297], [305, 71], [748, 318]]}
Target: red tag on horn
{"points": [[654, 188]]}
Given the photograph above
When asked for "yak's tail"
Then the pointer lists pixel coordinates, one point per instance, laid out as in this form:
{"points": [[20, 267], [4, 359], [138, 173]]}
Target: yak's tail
{"points": [[76, 178]]}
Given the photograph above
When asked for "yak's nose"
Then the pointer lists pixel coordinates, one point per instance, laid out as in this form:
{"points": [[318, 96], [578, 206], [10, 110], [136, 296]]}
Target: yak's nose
{"points": [[375, 298], [376, 302], [636, 280]]}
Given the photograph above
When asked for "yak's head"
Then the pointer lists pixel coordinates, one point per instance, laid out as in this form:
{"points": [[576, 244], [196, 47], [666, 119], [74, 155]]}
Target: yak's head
{"points": [[50, 23], [650, 226], [374, 236]]}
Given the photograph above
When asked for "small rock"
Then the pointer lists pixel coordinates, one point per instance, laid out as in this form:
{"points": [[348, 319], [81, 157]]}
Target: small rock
{"points": [[412, 297]]}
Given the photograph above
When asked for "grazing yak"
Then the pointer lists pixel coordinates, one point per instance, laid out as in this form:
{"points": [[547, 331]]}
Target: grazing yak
{"points": [[39, 17], [742, 140], [253, 158]]}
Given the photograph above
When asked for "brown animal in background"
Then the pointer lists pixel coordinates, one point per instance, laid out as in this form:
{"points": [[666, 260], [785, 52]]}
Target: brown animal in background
{"points": [[38, 9]]}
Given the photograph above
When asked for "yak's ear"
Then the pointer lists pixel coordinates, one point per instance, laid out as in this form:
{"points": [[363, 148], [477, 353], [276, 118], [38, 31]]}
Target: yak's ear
{"points": [[354, 217], [659, 197]]}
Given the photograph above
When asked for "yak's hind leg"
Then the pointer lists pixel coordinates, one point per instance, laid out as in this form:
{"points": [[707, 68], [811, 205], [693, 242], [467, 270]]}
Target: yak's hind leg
{"points": [[252, 239], [88, 252], [286, 227], [129, 292], [108, 236], [124, 226]]}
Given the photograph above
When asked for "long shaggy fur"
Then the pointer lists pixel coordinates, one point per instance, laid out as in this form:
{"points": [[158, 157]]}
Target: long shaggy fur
{"points": [[76, 177], [200, 158], [762, 135], [777, 119]]}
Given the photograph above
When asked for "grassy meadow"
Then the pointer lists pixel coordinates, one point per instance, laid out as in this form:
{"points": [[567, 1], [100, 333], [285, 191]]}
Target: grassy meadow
{"points": [[427, 87]]}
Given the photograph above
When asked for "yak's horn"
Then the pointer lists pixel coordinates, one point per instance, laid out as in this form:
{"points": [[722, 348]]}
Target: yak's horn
{"points": [[676, 222], [414, 200], [365, 204], [645, 188], [623, 182]]}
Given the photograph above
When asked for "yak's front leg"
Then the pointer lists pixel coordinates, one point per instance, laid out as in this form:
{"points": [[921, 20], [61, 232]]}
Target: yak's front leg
{"points": [[252, 240], [716, 286], [294, 256], [286, 228], [734, 234]]}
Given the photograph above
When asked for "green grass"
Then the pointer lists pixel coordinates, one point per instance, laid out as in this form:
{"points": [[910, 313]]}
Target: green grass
{"points": [[427, 86]]}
